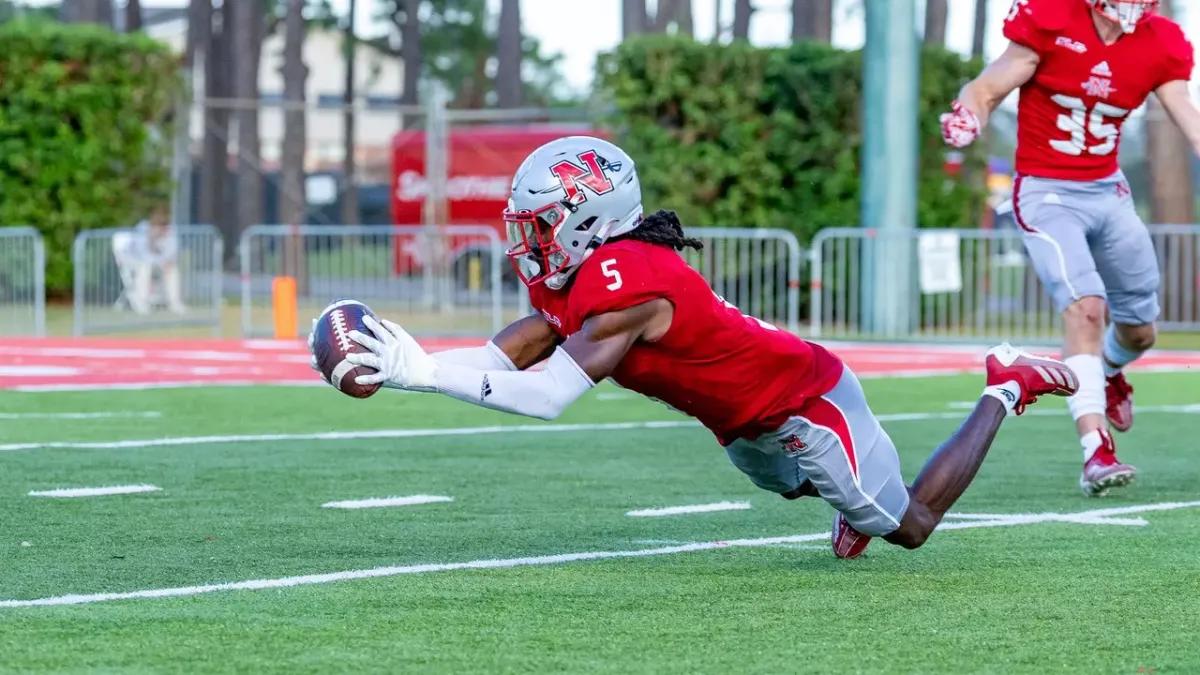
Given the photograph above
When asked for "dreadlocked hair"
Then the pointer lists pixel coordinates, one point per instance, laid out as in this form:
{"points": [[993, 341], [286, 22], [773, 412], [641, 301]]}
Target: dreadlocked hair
{"points": [[662, 228]]}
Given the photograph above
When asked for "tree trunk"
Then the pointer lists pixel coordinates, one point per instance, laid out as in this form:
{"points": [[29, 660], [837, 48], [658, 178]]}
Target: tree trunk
{"points": [[508, 55], [214, 164], [350, 209], [133, 16], [935, 22], [977, 41], [1172, 195], [802, 20], [823, 21], [249, 20], [410, 57], [718, 27], [199, 30], [683, 18], [293, 202], [633, 18], [87, 11], [1169, 156], [677, 13], [742, 9]]}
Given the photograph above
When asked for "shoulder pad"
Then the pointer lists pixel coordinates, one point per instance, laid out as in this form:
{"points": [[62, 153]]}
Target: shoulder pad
{"points": [[1028, 21], [1172, 38], [616, 277]]}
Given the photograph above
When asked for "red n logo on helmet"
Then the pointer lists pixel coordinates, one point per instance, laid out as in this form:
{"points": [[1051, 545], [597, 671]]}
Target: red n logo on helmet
{"points": [[590, 175]]}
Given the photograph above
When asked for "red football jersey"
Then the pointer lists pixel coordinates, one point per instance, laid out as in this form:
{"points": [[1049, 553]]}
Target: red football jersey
{"points": [[1070, 113], [738, 376]]}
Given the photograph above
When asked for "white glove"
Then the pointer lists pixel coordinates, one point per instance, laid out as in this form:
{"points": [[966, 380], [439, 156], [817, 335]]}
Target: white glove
{"points": [[401, 362], [961, 127]]}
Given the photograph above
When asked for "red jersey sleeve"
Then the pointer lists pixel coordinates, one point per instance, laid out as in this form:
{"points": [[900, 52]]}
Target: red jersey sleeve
{"points": [[1031, 23], [1179, 57], [615, 278]]}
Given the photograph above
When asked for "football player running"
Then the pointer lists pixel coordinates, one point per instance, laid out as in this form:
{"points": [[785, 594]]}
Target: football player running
{"points": [[1082, 66], [616, 300]]}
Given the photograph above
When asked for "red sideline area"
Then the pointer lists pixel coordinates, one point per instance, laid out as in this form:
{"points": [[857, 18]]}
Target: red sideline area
{"points": [[103, 363]]}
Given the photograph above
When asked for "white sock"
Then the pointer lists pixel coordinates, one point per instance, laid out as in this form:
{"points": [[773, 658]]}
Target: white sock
{"points": [[1089, 400], [1116, 354], [1008, 393], [1091, 442]]}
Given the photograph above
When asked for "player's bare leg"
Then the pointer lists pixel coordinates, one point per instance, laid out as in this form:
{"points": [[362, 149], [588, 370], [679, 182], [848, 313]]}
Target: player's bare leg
{"points": [[1123, 344], [1083, 348], [1014, 380]]}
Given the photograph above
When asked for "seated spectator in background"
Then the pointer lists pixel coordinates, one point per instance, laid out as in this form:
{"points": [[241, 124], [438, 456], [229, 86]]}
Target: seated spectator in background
{"points": [[152, 245]]}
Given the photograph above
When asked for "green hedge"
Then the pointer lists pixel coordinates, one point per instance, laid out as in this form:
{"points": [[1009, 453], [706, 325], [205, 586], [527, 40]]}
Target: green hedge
{"points": [[737, 136], [83, 136]]}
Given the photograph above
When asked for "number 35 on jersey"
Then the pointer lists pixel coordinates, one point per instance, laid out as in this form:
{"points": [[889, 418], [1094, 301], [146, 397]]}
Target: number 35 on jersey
{"points": [[1081, 123]]}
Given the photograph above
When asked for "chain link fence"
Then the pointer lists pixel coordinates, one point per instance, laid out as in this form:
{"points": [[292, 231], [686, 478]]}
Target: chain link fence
{"points": [[452, 280], [22, 282], [123, 282]]}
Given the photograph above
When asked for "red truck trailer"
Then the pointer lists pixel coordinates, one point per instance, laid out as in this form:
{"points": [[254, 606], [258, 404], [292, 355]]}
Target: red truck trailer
{"points": [[482, 161]]}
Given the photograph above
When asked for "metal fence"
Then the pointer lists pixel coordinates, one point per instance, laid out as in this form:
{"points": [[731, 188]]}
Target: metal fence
{"points": [[758, 270], [1177, 248], [22, 282], [442, 281], [964, 285], [119, 290]]}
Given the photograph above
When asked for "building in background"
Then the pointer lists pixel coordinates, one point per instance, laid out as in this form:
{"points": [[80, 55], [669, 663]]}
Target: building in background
{"points": [[379, 85]]}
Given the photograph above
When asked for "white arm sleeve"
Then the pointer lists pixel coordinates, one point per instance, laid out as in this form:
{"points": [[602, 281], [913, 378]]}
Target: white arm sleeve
{"points": [[543, 394], [487, 357]]}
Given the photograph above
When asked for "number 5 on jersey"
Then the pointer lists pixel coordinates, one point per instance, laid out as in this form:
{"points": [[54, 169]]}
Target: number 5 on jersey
{"points": [[608, 267]]}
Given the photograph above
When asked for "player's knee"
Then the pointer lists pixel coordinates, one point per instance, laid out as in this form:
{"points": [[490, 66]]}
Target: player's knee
{"points": [[911, 537], [1085, 315], [1137, 338], [915, 527]]}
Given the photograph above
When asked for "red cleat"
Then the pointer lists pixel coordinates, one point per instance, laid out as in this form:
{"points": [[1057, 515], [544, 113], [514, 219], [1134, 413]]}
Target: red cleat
{"points": [[1119, 393], [1036, 375], [1104, 470], [848, 543]]}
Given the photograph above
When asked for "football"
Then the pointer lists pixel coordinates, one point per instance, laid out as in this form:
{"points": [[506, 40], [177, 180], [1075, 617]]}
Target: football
{"points": [[332, 342]]}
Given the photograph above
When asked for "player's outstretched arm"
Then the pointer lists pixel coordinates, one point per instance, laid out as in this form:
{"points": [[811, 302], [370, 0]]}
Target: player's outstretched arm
{"points": [[1177, 101], [970, 112], [571, 370], [524, 343]]}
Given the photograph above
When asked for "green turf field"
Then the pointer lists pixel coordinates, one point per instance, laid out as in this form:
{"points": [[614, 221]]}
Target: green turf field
{"points": [[1110, 592]]}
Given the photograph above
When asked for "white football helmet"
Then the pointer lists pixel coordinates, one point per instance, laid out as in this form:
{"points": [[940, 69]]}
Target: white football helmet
{"points": [[568, 197], [1127, 13]]}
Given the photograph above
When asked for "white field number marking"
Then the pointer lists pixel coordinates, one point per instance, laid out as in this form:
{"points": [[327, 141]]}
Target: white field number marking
{"points": [[507, 563], [698, 508], [96, 491], [81, 415], [387, 501]]}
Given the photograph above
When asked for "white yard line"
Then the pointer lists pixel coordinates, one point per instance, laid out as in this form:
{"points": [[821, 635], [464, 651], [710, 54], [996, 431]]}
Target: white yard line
{"points": [[96, 491], [81, 415], [506, 563], [697, 508], [480, 431], [387, 501], [346, 435]]}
